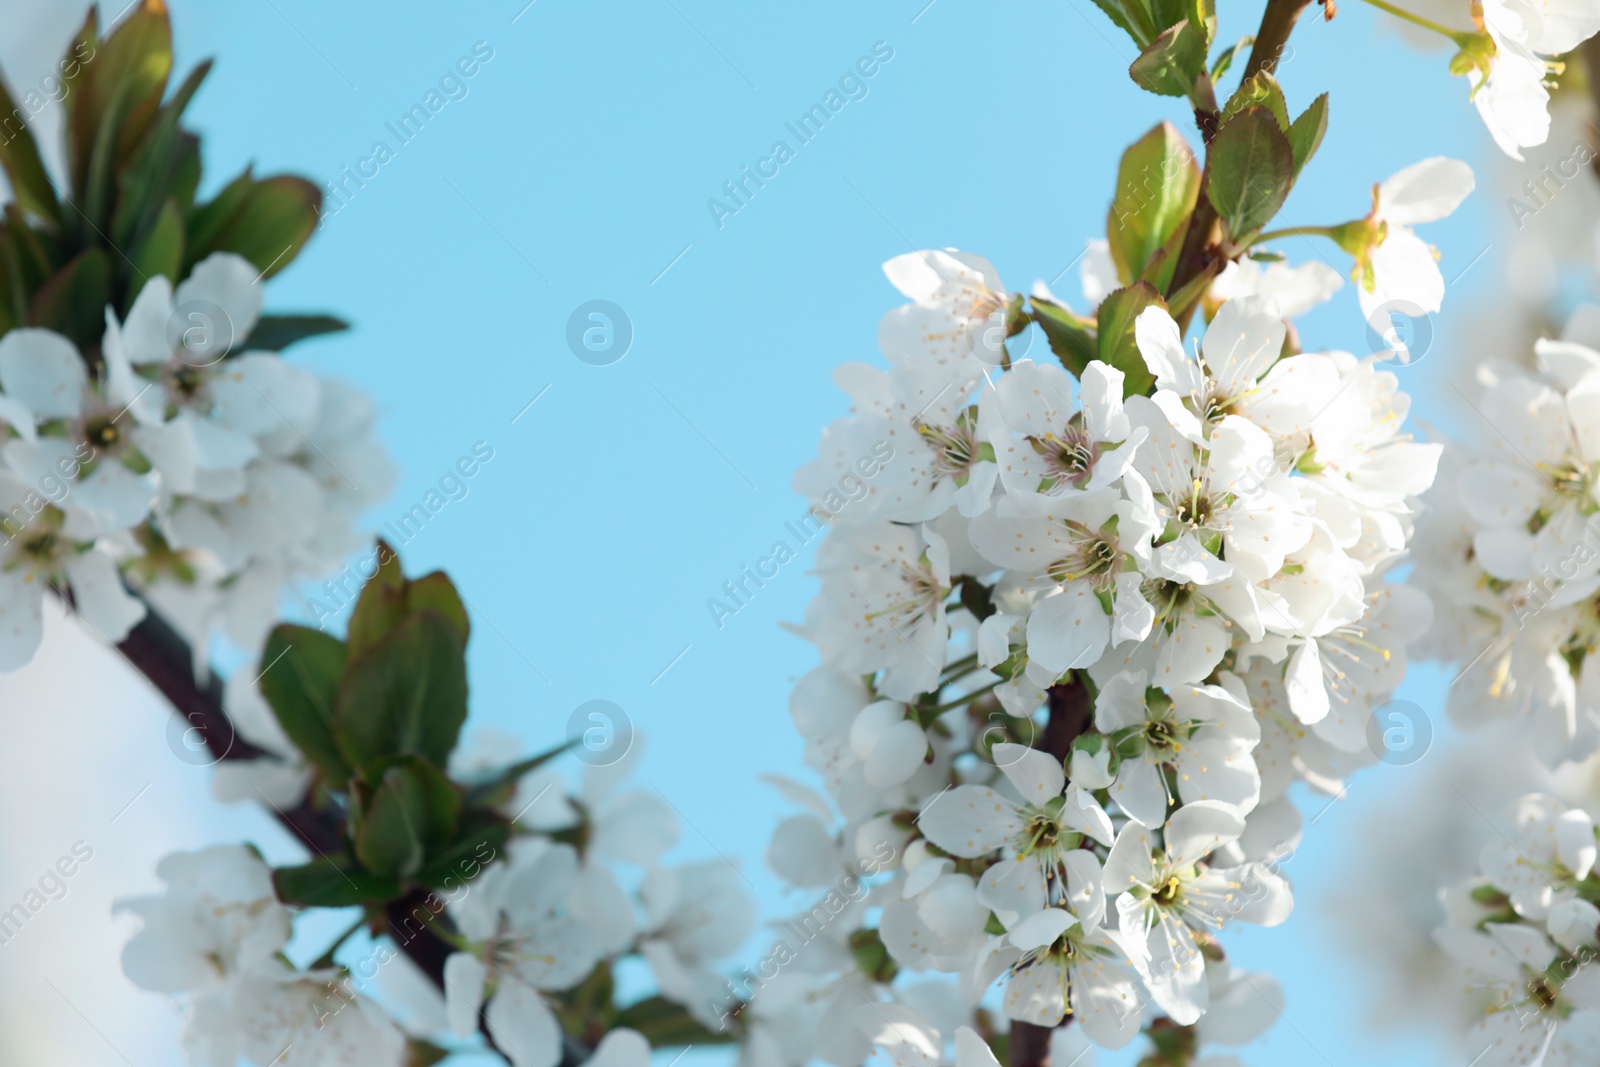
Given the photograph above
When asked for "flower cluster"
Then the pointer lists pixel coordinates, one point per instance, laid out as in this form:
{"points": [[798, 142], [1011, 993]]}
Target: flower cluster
{"points": [[207, 474], [537, 927], [1510, 52], [217, 936], [1078, 639], [1511, 551], [1526, 934]]}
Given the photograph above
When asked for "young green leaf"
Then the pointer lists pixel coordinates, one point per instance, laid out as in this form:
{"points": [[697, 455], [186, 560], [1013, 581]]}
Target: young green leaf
{"points": [[1305, 134], [1070, 338], [411, 812], [161, 250], [405, 695], [1252, 169], [121, 85], [1171, 62], [274, 333], [1158, 182], [332, 882], [145, 185], [389, 597], [301, 682], [24, 167], [1117, 346], [72, 301], [1136, 18], [1225, 60], [478, 840], [1261, 89], [266, 221]]}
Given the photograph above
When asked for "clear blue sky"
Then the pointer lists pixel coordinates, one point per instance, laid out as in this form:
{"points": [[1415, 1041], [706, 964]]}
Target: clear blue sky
{"points": [[578, 166]]}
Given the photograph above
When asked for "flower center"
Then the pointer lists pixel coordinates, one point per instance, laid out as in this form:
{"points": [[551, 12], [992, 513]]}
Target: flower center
{"points": [[1161, 735], [1097, 558], [101, 431], [1168, 892], [954, 448], [1069, 457]]}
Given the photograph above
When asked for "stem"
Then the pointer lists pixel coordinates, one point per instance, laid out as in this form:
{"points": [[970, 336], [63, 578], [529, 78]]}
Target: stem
{"points": [[1296, 231], [1277, 23], [1461, 39], [962, 666], [326, 959], [935, 712]]}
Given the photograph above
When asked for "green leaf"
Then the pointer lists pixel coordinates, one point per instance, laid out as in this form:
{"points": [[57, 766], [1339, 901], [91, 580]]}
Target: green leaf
{"points": [[411, 812], [336, 882], [405, 695], [1261, 89], [161, 252], [1159, 271], [380, 605], [1178, 303], [1305, 134], [1225, 60], [207, 221], [498, 786], [1252, 168], [1117, 346], [1071, 338], [389, 597], [1134, 16], [130, 67], [480, 839], [24, 167], [1158, 182], [437, 593], [72, 302], [274, 333], [267, 222], [1170, 64], [146, 184], [301, 683], [94, 199], [665, 1024]]}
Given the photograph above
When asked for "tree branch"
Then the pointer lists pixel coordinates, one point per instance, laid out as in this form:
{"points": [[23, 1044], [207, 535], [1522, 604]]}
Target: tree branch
{"points": [[1591, 65], [1277, 23], [1071, 713], [159, 652], [1202, 243]]}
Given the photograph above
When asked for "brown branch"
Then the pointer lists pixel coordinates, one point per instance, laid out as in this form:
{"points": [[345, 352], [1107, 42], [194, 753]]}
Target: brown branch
{"points": [[1071, 714], [1202, 244], [1277, 23], [1591, 69], [161, 654]]}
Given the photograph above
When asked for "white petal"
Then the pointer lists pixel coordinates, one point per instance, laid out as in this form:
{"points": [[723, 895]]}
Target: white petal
{"points": [[1038, 776], [1069, 629], [464, 978], [44, 371], [100, 597], [1425, 191], [524, 1027], [969, 820], [1195, 830], [230, 282]]}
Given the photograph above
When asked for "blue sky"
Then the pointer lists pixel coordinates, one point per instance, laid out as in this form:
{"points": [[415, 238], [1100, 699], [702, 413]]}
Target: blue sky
{"points": [[575, 164]]}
